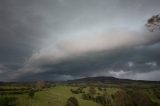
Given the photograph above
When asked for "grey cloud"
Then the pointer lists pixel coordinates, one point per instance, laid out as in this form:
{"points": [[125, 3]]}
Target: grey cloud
{"points": [[70, 38], [110, 63], [6, 71]]}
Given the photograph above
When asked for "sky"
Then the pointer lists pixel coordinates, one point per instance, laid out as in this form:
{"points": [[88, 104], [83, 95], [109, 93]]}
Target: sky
{"points": [[69, 39]]}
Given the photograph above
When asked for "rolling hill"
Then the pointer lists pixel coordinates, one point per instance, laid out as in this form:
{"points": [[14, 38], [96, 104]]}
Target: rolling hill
{"points": [[109, 80]]}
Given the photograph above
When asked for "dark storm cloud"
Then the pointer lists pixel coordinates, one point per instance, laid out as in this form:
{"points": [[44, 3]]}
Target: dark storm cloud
{"points": [[17, 37], [133, 60], [6, 70], [65, 39]]}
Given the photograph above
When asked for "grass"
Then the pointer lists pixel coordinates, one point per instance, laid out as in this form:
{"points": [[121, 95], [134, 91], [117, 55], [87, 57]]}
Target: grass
{"points": [[56, 96]]}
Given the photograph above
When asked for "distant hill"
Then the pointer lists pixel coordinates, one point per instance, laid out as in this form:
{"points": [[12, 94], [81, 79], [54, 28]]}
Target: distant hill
{"points": [[87, 80], [109, 80], [1, 82]]}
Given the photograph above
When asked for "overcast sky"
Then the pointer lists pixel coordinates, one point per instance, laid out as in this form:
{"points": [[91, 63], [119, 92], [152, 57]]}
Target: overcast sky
{"points": [[68, 39]]}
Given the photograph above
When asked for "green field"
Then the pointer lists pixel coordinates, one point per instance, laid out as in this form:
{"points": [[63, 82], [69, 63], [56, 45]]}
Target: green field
{"points": [[55, 96], [58, 96]]}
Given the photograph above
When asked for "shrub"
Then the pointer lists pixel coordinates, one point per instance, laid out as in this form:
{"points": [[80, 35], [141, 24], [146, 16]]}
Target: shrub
{"points": [[104, 100], [104, 89], [88, 96], [121, 98], [92, 90], [99, 88], [40, 85], [77, 91], [140, 98], [100, 99], [80, 89], [107, 99], [112, 96], [85, 96], [72, 101], [156, 93], [8, 101], [31, 93]]}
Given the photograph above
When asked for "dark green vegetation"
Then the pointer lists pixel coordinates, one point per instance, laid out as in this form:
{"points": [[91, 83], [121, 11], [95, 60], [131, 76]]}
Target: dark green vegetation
{"points": [[90, 93], [72, 101], [7, 101]]}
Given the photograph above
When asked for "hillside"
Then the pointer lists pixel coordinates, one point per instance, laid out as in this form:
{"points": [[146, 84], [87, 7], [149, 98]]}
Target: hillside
{"points": [[109, 80]]}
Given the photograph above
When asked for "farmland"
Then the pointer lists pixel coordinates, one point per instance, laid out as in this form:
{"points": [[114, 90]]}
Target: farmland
{"points": [[86, 95]]}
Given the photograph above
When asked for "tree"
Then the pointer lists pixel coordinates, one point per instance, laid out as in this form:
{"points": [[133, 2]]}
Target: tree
{"points": [[153, 23], [140, 98], [40, 85], [72, 101], [123, 99]]}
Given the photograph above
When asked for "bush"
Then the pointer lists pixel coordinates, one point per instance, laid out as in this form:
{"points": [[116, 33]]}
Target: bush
{"points": [[80, 89], [100, 99], [85, 96], [88, 96], [99, 88], [104, 100], [92, 90], [104, 89], [77, 91], [8, 101], [112, 96], [72, 101], [156, 93], [74, 91], [121, 98], [40, 85], [140, 98], [31, 93]]}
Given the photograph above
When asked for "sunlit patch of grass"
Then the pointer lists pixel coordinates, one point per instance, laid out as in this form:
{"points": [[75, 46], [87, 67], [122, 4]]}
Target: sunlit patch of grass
{"points": [[56, 96]]}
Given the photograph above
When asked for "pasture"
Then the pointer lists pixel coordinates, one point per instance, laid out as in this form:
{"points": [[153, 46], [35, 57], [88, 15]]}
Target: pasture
{"points": [[85, 95]]}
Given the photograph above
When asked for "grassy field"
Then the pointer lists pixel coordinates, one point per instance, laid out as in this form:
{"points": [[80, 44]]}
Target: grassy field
{"points": [[58, 96]]}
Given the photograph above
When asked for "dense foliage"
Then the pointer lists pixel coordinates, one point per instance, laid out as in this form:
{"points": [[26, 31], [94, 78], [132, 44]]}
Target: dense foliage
{"points": [[72, 101], [8, 101]]}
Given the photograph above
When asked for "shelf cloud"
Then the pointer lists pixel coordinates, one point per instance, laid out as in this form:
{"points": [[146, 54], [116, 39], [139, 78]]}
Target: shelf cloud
{"points": [[67, 39]]}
